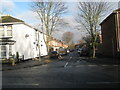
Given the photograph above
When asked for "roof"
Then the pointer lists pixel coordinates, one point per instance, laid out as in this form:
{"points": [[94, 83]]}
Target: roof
{"points": [[8, 19], [115, 11]]}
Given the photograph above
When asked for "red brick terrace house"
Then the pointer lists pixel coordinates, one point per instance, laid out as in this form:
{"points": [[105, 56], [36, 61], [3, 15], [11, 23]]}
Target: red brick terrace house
{"points": [[56, 44], [110, 29]]}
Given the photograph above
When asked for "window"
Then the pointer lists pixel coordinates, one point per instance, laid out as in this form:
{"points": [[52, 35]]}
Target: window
{"points": [[1, 31], [9, 30], [10, 50], [3, 51], [6, 30]]}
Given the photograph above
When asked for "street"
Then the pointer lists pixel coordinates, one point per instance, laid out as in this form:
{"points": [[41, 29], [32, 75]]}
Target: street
{"points": [[71, 72]]}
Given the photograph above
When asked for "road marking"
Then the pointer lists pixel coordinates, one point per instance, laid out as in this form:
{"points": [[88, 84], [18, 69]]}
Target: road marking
{"points": [[66, 64], [80, 66], [92, 65], [115, 65], [35, 67], [111, 65], [36, 84], [103, 82], [105, 65], [44, 65]]}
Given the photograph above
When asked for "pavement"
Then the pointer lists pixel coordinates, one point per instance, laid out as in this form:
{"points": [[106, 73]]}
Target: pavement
{"points": [[104, 60], [26, 64], [45, 60]]}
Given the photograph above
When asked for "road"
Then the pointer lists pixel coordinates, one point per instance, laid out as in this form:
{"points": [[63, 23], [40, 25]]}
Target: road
{"points": [[72, 72]]}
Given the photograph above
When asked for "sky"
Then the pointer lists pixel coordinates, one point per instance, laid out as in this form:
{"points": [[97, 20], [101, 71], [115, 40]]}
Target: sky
{"points": [[21, 9]]}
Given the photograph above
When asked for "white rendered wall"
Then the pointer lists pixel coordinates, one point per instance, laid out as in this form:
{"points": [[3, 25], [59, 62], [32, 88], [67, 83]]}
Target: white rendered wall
{"points": [[43, 48], [27, 45], [24, 45]]}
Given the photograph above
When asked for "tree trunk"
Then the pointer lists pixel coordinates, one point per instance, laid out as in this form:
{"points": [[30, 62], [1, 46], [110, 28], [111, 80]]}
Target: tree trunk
{"points": [[94, 51]]}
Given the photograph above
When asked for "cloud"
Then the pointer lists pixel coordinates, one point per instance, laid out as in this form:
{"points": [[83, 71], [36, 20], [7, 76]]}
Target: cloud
{"points": [[29, 17], [71, 27], [7, 5]]}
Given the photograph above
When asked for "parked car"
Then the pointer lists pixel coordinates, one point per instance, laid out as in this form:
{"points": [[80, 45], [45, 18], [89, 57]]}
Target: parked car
{"points": [[71, 50], [62, 51], [83, 52], [79, 50], [68, 51], [53, 54]]}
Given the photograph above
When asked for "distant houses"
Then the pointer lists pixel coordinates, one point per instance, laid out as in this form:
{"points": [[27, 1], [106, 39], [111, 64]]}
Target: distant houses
{"points": [[18, 37], [110, 29], [56, 44]]}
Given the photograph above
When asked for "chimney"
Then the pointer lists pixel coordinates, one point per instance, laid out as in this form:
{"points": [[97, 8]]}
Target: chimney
{"points": [[7, 15]]}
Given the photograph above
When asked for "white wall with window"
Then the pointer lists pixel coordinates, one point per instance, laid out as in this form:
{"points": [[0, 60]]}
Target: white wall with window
{"points": [[6, 31], [5, 51], [25, 38], [1, 31]]}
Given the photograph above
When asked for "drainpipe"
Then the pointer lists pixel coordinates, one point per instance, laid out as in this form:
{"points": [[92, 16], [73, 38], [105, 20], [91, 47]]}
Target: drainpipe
{"points": [[39, 45], [117, 32]]}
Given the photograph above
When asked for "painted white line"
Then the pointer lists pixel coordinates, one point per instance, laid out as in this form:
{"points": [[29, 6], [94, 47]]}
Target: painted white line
{"points": [[105, 65], [92, 65], [36, 84], [115, 65], [35, 67], [110, 65], [80, 65], [103, 82], [66, 64]]}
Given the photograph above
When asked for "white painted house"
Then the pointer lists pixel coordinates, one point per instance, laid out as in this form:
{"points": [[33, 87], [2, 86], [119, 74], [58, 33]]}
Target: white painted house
{"points": [[17, 36]]}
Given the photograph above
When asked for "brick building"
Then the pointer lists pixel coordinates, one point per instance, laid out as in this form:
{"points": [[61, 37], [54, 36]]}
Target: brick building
{"points": [[110, 29]]}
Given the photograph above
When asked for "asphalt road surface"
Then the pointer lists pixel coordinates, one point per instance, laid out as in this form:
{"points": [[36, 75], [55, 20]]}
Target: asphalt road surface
{"points": [[71, 72]]}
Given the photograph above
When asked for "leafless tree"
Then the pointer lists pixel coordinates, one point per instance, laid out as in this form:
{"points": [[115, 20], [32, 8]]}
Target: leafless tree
{"points": [[89, 16], [49, 14], [68, 37]]}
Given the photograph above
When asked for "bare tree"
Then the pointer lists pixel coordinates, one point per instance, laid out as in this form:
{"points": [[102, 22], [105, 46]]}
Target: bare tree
{"points": [[72, 45], [49, 14], [89, 16], [68, 37]]}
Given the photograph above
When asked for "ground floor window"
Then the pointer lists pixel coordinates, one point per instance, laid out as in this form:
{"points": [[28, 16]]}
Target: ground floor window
{"points": [[5, 51]]}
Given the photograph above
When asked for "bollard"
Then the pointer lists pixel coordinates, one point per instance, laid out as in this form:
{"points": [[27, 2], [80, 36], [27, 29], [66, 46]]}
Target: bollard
{"points": [[13, 61]]}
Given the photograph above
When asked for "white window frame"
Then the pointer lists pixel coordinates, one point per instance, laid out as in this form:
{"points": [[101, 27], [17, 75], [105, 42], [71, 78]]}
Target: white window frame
{"points": [[5, 29], [1, 51], [9, 30], [7, 51]]}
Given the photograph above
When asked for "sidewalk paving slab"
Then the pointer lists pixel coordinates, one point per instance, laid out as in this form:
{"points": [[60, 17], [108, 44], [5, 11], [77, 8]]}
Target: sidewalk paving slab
{"points": [[26, 64]]}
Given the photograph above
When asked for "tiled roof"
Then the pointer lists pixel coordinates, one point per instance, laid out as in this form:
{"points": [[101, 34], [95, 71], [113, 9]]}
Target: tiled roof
{"points": [[8, 19], [114, 12]]}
